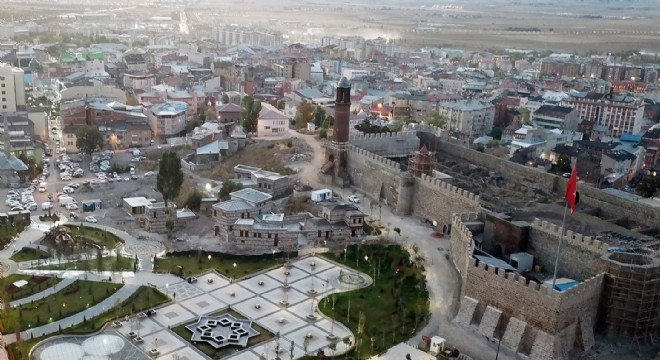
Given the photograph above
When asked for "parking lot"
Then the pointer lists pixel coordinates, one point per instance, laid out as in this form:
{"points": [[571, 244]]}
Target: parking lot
{"points": [[89, 187]]}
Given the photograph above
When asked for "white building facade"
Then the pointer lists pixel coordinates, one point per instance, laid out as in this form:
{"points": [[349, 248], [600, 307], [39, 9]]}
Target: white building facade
{"points": [[12, 89], [469, 117]]}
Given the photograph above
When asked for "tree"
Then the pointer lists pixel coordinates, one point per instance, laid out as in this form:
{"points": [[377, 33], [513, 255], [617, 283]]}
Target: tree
{"points": [[323, 133], [194, 200], [210, 114], [304, 113], [436, 119], [169, 225], [563, 164], [319, 116], [250, 109], [131, 100], [170, 176], [227, 188], [225, 99], [649, 186], [89, 139]]}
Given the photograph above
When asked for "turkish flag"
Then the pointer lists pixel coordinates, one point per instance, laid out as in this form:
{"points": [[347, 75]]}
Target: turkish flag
{"points": [[571, 195]]}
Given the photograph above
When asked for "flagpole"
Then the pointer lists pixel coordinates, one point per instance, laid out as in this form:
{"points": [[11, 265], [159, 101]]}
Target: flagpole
{"points": [[561, 238]]}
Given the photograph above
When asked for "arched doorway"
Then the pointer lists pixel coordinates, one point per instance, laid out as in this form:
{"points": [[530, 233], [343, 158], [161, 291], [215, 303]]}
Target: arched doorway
{"points": [[499, 250]]}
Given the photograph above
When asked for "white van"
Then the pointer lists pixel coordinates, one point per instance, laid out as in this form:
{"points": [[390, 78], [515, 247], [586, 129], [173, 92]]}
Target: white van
{"points": [[64, 201], [47, 205]]}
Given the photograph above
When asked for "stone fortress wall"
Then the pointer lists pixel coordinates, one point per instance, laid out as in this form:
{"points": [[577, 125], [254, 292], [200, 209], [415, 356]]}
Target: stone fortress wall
{"points": [[527, 317], [610, 206], [431, 199], [400, 144]]}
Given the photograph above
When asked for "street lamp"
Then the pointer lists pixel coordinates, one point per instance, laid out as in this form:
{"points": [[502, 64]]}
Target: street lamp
{"points": [[209, 257]]}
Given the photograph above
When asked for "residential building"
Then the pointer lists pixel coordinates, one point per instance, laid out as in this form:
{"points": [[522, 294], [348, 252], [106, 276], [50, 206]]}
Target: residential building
{"points": [[135, 60], [69, 138], [21, 135], [615, 167], [124, 134], [168, 119], [620, 113], [106, 92], [156, 216], [418, 104], [271, 122], [468, 117], [229, 113], [234, 35], [556, 117], [139, 82], [12, 89]]}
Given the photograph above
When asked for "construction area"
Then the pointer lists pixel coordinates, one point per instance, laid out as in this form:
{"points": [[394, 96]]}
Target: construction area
{"points": [[631, 295]]}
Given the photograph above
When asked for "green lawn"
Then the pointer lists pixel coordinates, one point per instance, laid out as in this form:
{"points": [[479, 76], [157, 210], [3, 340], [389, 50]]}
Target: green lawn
{"points": [[68, 301], [192, 263], [9, 230], [35, 284], [98, 236], [226, 351], [28, 254], [392, 309], [144, 298], [108, 263]]}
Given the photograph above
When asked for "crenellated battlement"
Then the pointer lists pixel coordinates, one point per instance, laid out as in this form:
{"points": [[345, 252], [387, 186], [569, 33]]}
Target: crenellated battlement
{"points": [[356, 151], [458, 226], [513, 279], [445, 186], [425, 128], [585, 242], [388, 135]]}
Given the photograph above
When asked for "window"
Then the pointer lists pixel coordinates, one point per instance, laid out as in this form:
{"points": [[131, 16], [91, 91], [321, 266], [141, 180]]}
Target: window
{"points": [[254, 235], [240, 233], [269, 235], [215, 213], [4, 99], [247, 233], [259, 235], [318, 233]]}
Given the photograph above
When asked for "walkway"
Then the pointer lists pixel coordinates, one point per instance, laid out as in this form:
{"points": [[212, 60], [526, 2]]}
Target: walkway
{"points": [[40, 295], [121, 295]]}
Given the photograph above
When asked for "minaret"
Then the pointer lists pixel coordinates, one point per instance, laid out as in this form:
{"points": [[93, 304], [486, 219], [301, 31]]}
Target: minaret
{"points": [[337, 152]]}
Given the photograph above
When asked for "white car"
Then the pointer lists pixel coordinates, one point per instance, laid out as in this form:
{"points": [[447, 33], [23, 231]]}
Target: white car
{"points": [[127, 178], [354, 199], [46, 206], [72, 207], [68, 190], [91, 219], [149, 173]]}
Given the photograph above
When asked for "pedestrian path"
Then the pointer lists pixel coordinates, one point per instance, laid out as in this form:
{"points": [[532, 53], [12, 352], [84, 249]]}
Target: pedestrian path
{"points": [[40, 295], [121, 295]]}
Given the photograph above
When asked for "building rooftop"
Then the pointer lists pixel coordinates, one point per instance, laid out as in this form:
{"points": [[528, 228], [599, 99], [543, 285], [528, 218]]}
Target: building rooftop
{"points": [[554, 110], [233, 205], [213, 147], [137, 201], [169, 108], [467, 105], [250, 195], [229, 108]]}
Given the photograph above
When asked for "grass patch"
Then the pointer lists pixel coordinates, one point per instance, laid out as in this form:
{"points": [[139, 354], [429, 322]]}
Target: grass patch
{"points": [[35, 284], [98, 236], [194, 262], [108, 263], [225, 351], [389, 311], [9, 230], [144, 298], [28, 254], [66, 302]]}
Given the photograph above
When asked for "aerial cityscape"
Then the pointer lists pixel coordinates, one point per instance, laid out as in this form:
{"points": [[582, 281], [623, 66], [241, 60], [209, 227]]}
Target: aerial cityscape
{"points": [[392, 180]]}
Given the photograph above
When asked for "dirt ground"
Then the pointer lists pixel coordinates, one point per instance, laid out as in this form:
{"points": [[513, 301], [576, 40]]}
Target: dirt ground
{"points": [[271, 155]]}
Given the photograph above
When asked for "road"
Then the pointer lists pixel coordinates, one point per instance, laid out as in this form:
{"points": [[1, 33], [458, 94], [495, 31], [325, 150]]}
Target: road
{"points": [[441, 276]]}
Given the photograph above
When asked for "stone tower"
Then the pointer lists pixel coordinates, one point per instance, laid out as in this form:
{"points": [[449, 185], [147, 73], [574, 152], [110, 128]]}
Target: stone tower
{"points": [[337, 151]]}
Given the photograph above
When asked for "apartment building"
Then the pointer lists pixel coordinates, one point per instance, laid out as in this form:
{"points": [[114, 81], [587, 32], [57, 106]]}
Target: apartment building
{"points": [[469, 117], [167, 119], [236, 35], [556, 117], [619, 113], [12, 89]]}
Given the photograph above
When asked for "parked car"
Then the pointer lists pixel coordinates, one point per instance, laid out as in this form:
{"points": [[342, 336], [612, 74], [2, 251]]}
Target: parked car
{"points": [[354, 199], [72, 206], [91, 219], [46, 206], [149, 173]]}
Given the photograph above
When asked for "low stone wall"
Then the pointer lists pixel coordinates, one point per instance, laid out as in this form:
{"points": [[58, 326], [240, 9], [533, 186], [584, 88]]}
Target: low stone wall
{"points": [[399, 144]]}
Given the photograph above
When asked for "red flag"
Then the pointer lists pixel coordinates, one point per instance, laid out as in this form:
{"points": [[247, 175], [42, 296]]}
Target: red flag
{"points": [[571, 189]]}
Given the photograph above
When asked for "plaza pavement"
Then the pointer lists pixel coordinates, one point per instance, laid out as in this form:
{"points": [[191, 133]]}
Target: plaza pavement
{"points": [[257, 297]]}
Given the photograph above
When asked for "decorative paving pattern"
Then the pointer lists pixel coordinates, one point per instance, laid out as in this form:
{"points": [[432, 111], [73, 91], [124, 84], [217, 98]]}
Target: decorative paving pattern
{"points": [[106, 345], [183, 290], [221, 331]]}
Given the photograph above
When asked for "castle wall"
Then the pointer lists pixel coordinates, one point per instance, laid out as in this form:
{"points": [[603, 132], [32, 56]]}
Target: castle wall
{"points": [[580, 256], [611, 206], [400, 144], [437, 200], [461, 243], [375, 175]]}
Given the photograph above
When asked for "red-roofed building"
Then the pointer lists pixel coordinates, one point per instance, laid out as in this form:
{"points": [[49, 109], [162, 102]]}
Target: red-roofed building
{"points": [[506, 112]]}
